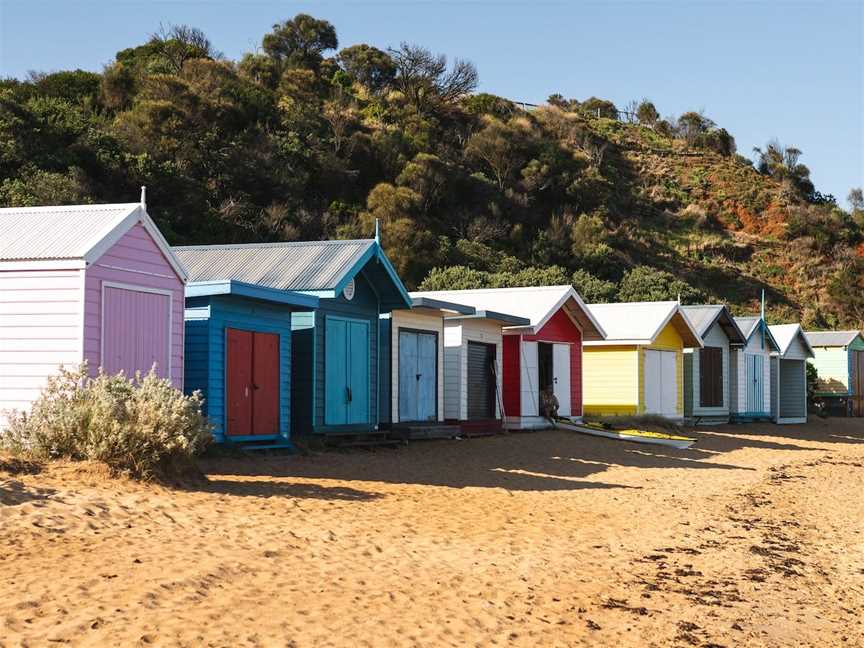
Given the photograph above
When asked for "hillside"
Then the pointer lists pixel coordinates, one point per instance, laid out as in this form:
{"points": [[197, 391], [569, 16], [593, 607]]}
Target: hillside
{"points": [[303, 140]]}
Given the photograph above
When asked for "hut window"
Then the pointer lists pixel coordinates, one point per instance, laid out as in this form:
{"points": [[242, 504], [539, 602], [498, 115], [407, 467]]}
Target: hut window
{"points": [[711, 377]]}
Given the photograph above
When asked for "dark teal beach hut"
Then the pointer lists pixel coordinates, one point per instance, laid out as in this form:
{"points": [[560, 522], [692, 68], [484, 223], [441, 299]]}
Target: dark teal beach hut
{"points": [[238, 354], [335, 360]]}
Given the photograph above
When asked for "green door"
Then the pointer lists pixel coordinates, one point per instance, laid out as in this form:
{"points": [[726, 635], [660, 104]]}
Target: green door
{"points": [[346, 371]]}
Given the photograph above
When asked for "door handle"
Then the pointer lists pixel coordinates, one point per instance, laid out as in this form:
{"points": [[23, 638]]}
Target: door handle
{"points": [[418, 376], [255, 386], [348, 394]]}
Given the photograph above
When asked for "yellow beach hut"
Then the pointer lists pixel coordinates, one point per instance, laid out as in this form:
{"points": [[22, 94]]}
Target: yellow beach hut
{"points": [[639, 367]]}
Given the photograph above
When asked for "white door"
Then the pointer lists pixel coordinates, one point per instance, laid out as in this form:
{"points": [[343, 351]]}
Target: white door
{"points": [[530, 380], [653, 385], [561, 377], [669, 384]]}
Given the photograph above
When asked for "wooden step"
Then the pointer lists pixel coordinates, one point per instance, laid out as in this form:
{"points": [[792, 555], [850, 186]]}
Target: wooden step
{"points": [[420, 431]]}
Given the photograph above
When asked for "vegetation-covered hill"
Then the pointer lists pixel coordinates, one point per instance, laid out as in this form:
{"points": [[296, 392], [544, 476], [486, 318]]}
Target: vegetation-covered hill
{"points": [[303, 140]]}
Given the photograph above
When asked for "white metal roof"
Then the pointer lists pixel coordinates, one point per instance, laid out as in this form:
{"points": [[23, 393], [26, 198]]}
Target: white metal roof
{"points": [[785, 334], [703, 317], [642, 322], [535, 303], [72, 233], [831, 338]]}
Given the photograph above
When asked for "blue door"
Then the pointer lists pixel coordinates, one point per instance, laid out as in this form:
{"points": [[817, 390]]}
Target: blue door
{"points": [[358, 372], [418, 361], [346, 371], [755, 383], [335, 372]]}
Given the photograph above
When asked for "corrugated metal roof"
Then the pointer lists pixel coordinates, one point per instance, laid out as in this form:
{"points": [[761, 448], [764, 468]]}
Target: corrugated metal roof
{"points": [[702, 317], [42, 233], [747, 324], [831, 338], [532, 303], [784, 334], [310, 266], [633, 320]]}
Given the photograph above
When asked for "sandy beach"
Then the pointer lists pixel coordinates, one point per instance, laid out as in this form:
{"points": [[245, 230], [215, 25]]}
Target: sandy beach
{"points": [[755, 537]]}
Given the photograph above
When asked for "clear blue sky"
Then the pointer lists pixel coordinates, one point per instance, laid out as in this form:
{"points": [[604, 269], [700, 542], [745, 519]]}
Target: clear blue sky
{"points": [[791, 70]]}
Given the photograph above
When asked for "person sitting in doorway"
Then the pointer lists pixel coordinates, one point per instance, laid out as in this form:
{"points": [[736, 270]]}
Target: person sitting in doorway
{"points": [[549, 404]]}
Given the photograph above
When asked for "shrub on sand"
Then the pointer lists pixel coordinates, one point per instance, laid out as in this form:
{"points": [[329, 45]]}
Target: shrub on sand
{"points": [[139, 426]]}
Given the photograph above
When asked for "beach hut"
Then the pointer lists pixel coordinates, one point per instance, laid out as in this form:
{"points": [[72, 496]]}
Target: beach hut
{"points": [[542, 355], [90, 282], [238, 354], [638, 368], [445, 368], [707, 383], [335, 359], [751, 370], [839, 362], [789, 374]]}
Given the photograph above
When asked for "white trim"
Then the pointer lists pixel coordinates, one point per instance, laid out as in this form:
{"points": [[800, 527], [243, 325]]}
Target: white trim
{"points": [[134, 288], [47, 264], [83, 318], [111, 235]]}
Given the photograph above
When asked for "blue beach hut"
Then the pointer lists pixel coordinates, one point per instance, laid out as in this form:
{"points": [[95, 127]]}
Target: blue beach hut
{"points": [[238, 354], [335, 359]]}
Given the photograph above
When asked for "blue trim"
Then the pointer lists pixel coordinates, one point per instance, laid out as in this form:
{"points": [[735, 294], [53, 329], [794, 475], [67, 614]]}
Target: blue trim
{"points": [[393, 275], [252, 291]]}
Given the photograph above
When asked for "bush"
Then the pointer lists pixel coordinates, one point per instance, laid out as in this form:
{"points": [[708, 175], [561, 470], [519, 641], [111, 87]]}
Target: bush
{"points": [[644, 283], [140, 426]]}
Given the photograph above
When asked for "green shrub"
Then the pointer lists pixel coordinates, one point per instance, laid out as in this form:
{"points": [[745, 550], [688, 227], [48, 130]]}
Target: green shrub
{"points": [[140, 426]]}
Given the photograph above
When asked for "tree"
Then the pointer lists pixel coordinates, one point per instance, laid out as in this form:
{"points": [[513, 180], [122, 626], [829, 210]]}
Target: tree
{"points": [[593, 290], [369, 66], [426, 81], [179, 43], [783, 163], [599, 108], [644, 283], [856, 199], [300, 41], [646, 113], [691, 125], [497, 145], [455, 278]]}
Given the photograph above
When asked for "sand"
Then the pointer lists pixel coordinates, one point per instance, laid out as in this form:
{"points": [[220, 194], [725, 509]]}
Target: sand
{"points": [[754, 538]]}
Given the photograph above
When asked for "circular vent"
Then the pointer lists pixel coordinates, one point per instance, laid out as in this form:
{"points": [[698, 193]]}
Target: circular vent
{"points": [[348, 291]]}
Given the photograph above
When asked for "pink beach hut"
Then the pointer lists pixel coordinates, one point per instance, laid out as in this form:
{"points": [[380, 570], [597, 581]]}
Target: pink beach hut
{"points": [[90, 282]]}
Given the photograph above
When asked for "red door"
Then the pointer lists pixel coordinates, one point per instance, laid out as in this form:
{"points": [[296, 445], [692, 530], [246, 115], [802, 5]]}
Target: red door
{"points": [[265, 373], [252, 383]]}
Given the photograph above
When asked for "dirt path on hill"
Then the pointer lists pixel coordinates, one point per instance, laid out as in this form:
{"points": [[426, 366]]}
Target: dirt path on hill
{"points": [[755, 537]]}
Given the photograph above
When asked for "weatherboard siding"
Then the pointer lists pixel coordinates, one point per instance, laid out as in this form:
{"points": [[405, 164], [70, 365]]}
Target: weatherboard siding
{"points": [[560, 328], [40, 328], [134, 260], [487, 332], [714, 337], [453, 370], [832, 370], [206, 331]]}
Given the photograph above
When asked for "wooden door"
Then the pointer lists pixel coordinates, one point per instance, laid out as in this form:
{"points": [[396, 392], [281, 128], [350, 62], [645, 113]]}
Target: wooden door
{"points": [[857, 386], [136, 331], [653, 376], [530, 379], [238, 372], [755, 383], [669, 383], [561, 377], [252, 389], [359, 379], [335, 372], [265, 383]]}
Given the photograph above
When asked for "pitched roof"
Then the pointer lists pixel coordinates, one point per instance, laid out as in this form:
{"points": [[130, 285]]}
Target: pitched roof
{"points": [[703, 317], [641, 322], [536, 304], [323, 267], [831, 338], [785, 334], [749, 324], [73, 232]]}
